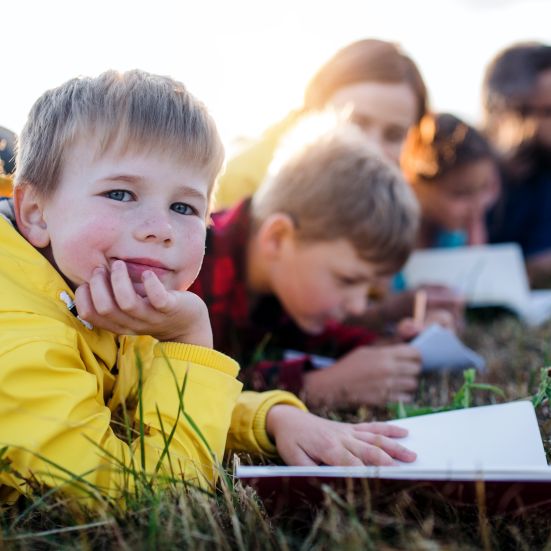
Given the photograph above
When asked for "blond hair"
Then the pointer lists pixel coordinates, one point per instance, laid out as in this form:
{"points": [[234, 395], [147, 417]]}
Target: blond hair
{"points": [[334, 185], [133, 110]]}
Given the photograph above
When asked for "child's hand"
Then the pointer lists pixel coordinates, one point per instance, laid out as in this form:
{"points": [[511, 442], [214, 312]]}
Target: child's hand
{"points": [[369, 375], [110, 301], [408, 328], [304, 439], [397, 306], [440, 297]]}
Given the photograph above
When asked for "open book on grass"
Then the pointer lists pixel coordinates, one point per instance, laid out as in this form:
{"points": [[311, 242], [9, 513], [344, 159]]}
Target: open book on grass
{"points": [[497, 442], [488, 275]]}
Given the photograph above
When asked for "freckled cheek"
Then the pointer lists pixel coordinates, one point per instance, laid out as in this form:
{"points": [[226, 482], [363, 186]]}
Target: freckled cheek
{"points": [[84, 248], [190, 259]]}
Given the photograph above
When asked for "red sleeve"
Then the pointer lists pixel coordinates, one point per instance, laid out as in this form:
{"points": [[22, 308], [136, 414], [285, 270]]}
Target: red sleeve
{"points": [[289, 374], [283, 374]]}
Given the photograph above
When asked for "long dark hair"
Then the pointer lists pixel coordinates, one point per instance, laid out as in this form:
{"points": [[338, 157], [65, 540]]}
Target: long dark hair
{"points": [[440, 143]]}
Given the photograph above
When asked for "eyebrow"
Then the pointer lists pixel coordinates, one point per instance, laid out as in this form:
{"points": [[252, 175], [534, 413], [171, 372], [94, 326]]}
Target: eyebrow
{"points": [[360, 118], [137, 180], [356, 277]]}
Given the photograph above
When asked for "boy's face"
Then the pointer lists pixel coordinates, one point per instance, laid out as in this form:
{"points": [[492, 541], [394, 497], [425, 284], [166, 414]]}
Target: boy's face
{"points": [[144, 208], [320, 283]]}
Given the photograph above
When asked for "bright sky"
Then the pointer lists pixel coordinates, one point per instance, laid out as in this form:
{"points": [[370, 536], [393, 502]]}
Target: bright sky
{"points": [[249, 60]]}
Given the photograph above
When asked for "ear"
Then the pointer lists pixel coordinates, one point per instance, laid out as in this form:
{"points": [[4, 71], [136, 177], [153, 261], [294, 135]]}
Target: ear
{"points": [[275, 233], [28, 207]]}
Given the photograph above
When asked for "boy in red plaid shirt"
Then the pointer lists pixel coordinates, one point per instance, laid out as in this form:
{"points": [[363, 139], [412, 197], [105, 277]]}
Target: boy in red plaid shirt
{"points": [[284, 269]]}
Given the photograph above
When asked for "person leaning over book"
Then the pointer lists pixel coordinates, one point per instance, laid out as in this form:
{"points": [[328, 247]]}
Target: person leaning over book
{"points": [[285, 269], [517, 119], [113, 181]]}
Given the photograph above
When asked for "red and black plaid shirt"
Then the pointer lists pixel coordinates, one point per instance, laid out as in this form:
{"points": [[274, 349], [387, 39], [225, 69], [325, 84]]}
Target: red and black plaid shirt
{"points": [[254, 329]]}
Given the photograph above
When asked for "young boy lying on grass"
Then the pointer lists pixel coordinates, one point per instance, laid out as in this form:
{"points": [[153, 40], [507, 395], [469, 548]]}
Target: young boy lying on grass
{"points": [[105, 234], [285, 269]]}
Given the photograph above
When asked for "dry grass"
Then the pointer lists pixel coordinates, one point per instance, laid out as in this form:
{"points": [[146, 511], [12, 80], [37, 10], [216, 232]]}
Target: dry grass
{"points": [[235, 518]]}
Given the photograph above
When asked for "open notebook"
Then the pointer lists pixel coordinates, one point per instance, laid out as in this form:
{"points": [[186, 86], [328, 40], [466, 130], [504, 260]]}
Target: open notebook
{"points": [[488, 275], [498, 442]]}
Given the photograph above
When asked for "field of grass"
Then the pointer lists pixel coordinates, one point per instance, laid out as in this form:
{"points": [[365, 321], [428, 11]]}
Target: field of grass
{"points": [[235, 518]]}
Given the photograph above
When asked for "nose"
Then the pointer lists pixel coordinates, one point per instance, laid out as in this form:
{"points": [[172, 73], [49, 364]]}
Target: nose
{"points": [[374, 138], [478, 206], [155, 227], [356, 303]]}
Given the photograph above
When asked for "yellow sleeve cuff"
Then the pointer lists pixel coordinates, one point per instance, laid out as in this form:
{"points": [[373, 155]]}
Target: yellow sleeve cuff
{"points": [[270, 399], [198, 355]]}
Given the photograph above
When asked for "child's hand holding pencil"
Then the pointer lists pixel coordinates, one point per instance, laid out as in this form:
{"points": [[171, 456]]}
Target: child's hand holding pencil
{"points": [[409, 328]]}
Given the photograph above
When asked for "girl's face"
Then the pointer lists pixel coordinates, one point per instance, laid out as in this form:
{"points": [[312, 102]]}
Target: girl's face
{"points": [[384, 111], [459, 199]]}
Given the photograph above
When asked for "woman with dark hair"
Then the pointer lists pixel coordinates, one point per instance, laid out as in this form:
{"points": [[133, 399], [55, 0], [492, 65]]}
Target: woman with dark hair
{"points": [[373, 80], [517, 109]]}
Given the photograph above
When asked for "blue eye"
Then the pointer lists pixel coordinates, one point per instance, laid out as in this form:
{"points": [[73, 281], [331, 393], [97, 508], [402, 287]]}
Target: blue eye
{"points": [[119, 195], [182, 208]]}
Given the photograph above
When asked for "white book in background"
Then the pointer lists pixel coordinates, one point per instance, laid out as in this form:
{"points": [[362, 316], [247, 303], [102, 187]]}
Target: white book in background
{"points": [[497, 442], [488, 275]]}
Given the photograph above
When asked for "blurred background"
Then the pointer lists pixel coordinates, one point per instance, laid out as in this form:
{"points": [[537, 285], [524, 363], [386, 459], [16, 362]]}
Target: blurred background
{"points": [[248, 60]]}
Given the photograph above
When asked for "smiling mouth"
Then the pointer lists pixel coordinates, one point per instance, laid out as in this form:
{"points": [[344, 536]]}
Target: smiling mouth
{"points": [[137, 266]]}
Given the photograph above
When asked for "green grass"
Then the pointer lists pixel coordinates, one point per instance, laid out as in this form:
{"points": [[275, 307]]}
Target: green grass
{"points": [[233, 517]]}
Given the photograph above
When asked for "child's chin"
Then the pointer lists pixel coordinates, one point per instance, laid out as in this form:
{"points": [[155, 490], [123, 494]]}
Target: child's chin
{"points": [[312, 327]]}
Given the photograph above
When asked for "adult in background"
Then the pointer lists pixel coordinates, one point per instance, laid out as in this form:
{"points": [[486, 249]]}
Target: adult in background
{"points": [[380, 85], [517, 108]]}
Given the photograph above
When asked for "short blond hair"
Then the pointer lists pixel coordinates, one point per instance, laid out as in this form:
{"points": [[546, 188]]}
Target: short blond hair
{"points": [[336, 186], [135, 110]]}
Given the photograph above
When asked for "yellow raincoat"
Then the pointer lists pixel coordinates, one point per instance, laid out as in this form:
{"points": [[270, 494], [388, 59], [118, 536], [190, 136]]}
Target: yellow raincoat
{"points": [[62, 387]]}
